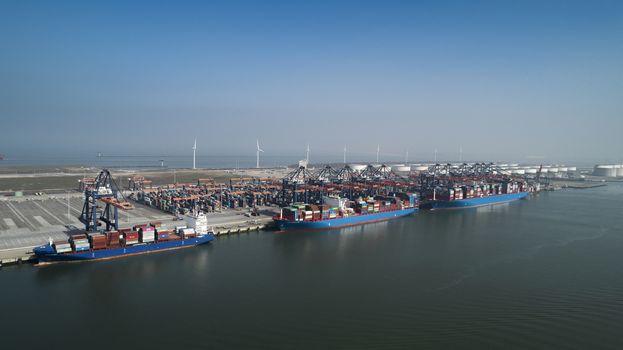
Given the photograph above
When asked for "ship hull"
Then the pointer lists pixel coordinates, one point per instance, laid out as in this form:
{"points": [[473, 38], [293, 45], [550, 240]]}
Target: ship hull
{"points": [[122, 251], [344, 221], [475, 202]]}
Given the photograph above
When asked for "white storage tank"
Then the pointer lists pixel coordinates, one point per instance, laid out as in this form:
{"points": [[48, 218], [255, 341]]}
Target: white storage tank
{"points": [[402, 168], [605, 170], [421, 168], [620, 171], [358, 167], [572, 168], [531, 171]]}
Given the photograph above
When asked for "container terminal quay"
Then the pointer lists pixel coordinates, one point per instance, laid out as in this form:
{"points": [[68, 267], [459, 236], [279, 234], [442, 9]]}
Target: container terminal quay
{"points": [[55, 206]]}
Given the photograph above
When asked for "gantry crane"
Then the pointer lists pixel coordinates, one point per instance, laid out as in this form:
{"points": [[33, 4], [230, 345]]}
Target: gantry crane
{"points": [[104, 190]]}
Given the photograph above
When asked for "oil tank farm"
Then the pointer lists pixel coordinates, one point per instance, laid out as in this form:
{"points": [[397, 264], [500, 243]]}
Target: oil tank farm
{"points": [[608, 170]]}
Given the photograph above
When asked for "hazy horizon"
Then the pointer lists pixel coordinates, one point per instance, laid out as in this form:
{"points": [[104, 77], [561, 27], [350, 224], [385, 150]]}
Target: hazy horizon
{"points": [[525, 82]]}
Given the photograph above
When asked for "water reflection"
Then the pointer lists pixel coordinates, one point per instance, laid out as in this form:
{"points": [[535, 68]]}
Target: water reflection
{"points": [[106, 275]]}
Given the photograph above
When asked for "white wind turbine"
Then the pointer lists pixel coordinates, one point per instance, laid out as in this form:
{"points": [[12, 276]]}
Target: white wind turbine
{"points": [[257, 164], [194, 153], [307, 157]]}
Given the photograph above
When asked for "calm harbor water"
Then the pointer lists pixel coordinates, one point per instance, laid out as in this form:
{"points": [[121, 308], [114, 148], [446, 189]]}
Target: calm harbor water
{"points": [[539, 273]]}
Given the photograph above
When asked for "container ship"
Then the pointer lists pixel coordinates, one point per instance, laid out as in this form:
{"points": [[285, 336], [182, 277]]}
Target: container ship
{"points": [[140, 239], [469, 196], [339, 212]]}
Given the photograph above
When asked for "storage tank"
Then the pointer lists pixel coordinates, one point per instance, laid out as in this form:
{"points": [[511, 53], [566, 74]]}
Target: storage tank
{"points": [[421, 168], [358, 167], [520, 171], [620, 171], [572, 168], [553, 170], [531, 171], [605, 170], [563, 169], [402, 168]]}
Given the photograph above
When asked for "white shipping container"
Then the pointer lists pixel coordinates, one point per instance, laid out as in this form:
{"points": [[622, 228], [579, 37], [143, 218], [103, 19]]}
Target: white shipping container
{"points": [[63, 250]]}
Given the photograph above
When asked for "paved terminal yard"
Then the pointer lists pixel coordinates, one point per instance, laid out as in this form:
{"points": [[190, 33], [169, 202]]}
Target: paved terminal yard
{"points": [[29, 221]]}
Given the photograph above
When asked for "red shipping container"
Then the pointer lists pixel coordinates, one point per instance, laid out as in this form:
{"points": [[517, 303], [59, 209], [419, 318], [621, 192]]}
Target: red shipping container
{"points": [[131, 235]]}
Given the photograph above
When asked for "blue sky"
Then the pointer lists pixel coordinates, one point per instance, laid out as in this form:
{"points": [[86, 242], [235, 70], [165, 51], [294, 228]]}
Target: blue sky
{"points": [[515, 79]]}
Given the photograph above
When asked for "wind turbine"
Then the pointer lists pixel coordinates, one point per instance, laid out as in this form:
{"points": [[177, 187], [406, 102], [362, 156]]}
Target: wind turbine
{"points": [[461, 154], [307, 157], [257, 164], [344, 154], [407, 156], [378, 150], [194, 153]]}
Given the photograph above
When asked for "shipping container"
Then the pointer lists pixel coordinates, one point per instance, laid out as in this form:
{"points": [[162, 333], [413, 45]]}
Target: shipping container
{"points": [[147, 235], [163, 235], [62, 247]]}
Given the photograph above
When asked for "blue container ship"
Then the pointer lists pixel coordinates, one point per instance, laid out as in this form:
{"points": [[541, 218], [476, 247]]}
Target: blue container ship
{"points": [[469, 196], [338, 212], [475, 202], [48, 254], [141, 239]]}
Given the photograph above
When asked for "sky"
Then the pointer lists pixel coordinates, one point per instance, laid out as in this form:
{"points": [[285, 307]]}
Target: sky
{"points": [[518, 80]]}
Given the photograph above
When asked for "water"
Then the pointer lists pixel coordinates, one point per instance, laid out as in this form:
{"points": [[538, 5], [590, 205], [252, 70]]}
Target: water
{"points": [[539, 273]]}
